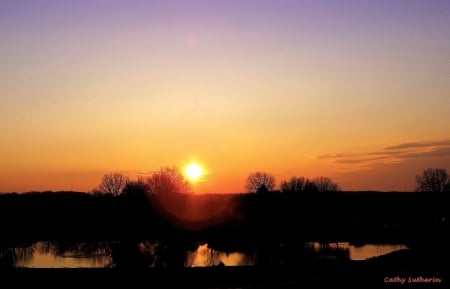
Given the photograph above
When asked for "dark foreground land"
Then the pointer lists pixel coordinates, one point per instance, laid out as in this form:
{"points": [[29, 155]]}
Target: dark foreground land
{"points": [[418, 220], [329, 216], [382, 272]]}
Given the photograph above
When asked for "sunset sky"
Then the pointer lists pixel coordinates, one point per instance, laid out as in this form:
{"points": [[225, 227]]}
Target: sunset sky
{"points": [[358, 91]]}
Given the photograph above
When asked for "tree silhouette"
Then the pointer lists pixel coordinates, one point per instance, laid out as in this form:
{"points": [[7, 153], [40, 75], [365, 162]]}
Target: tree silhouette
{"points": [[295, 184], [259, 182], [167, 180], [112, 184], [136, 188], [262, 189], [319, 184], [325, 184], [433, 181], [310, 186]]}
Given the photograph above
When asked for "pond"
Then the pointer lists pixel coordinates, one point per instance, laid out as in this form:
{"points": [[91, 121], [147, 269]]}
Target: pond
{"points": [[356, 252], [157, 254]]}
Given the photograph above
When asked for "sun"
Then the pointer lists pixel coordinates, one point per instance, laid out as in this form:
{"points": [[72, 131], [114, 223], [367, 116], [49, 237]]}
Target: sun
{"points": [[193, 171]]}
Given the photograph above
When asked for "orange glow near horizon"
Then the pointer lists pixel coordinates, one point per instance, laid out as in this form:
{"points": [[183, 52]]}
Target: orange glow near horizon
{"points": [[357, 93]]}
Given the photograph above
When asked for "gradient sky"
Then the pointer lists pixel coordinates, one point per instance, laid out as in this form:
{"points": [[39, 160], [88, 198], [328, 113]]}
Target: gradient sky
{"points": [[358, 91]]}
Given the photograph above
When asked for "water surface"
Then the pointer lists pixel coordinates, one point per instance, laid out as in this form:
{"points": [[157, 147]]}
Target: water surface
{"points": [[156, 254]]}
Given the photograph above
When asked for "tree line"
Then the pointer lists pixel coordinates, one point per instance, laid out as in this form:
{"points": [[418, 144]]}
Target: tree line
{"points": [[169, 180], [259, 182], [166, 180]]}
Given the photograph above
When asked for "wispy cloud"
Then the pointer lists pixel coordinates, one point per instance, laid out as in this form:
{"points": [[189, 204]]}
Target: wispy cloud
{"points": [[361, 160], [412, 145], [435, 153], [393, 154], [331, 156]]}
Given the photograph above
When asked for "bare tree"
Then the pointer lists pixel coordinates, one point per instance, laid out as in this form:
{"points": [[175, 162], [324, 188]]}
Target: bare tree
{"points": [[113, 184], [295, 184], [325, 184], [260, 181], [168, 180], [433, 180]]}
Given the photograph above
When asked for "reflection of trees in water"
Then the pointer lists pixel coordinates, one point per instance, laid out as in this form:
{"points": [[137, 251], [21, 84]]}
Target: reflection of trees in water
{"points": [[327, 250], [96, 251], [19, 256], [260, 254], [291, 253], [122, 254], [135, 254], [82, 249], [9, 257], [204, 255], [73, 249], [185, 254]]}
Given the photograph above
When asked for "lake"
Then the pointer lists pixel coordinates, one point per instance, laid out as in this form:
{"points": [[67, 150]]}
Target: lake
{"points": [[157, 254]]}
